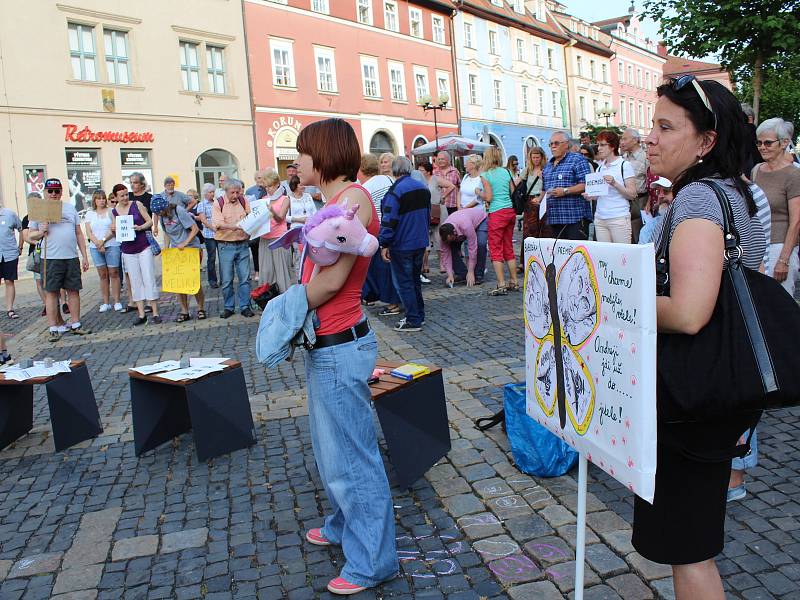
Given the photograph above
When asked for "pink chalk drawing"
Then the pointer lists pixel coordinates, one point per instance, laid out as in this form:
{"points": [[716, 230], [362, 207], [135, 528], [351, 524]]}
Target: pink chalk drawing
{"points": [[633, 379], [621, 335], [627, 423], [512, 568], [633, 349], [548, 551], [630, 462], [613, 440], [624, 440]]}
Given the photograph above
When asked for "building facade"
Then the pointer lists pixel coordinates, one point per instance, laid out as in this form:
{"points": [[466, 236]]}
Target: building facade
{"points": [[95, 99], [371, 62], [676, 66], [636, 71], [511, 73]]}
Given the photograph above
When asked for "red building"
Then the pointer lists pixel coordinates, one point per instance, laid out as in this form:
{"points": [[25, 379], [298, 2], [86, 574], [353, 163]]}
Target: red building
{"points": [[371, 62]]}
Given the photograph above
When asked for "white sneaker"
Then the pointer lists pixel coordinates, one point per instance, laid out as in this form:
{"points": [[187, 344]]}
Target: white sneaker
{"points": [[423, 279], [118, 307], [105, 307]]}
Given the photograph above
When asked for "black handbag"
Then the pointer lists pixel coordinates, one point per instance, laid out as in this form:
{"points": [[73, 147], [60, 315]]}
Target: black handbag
{"points": [[745, 359], [519, 197]]}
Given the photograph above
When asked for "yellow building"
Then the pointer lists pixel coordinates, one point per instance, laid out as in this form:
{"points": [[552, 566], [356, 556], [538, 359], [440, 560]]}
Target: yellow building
{"points": [[94, 90]]}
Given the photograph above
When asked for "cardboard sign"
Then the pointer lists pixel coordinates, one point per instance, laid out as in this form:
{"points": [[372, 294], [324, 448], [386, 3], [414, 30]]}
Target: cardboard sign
{"points": [[605, 317], [257, 223], [42, 210], [180, 270], [596, 185], [124, 227]]}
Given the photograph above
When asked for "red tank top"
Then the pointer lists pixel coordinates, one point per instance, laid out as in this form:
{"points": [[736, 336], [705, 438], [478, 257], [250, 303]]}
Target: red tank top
{"points": [[344, 309]]}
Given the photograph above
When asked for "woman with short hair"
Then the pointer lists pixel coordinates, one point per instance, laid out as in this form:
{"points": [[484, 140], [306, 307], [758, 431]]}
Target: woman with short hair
{"points": [[105, 250], [385, 161], [612, 215], [275, 264]]}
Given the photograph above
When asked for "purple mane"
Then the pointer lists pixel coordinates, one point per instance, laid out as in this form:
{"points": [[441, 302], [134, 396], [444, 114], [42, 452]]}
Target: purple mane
{"points": [[329, 212]]}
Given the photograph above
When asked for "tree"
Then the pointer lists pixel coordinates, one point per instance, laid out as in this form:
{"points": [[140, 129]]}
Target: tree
{"points": [[593, 130], [759, 35], [780, 94]]}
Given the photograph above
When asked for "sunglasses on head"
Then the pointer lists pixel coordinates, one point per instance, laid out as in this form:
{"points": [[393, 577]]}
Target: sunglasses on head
{"points": [[684, 80]]}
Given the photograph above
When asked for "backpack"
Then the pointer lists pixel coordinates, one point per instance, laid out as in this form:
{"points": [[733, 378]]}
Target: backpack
{"points": [[222, 203]]}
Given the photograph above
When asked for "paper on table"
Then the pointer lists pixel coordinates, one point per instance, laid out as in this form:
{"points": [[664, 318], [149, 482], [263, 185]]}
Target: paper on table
{"points": [[596, 185], [191, 372], [17, 373], [257, 223], [543, 206], [205, 362], [165, 365]]}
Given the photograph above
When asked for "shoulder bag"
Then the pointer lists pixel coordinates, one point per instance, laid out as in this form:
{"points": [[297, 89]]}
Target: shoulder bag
{"points": [[745, 359], [519, 197]]}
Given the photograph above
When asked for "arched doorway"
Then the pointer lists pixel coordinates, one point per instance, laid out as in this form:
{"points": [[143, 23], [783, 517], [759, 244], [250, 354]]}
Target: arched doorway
{"points": [[285, 149], [495, 141], [419, 141], [213, 163], [382, 142]]}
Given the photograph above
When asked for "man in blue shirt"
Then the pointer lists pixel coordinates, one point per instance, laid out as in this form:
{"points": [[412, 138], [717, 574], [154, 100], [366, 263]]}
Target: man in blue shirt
{"points": [[406, 215], [564, 179]]}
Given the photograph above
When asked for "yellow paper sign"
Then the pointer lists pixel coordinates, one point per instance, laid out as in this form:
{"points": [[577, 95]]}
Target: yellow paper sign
{"points": [[180, 270]]}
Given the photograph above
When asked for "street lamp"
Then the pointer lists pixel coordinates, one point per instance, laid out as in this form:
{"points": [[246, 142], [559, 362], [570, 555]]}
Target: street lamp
{"points": [[607, 113], [426, 102]]}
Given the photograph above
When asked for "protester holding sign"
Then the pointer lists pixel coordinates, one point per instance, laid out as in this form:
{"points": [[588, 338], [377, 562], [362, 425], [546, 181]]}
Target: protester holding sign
{"points": [[181, 232], [698, 134], [275, 264], [137, 256], [105, 250], [612, 217]]}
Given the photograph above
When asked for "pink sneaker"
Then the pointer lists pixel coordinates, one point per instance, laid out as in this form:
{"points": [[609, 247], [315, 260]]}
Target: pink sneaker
{"points": [[342, 587], [315, 537]]}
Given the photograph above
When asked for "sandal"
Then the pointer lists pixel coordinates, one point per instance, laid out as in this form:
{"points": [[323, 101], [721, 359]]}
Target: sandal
{"points": [[12, 315], [513, 287], [182, 317], [498, 291], [128, 309], [201, 315]]}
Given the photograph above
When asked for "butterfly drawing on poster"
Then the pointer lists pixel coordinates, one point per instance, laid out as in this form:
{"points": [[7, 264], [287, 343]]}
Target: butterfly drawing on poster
{"points": [[562, 314]]}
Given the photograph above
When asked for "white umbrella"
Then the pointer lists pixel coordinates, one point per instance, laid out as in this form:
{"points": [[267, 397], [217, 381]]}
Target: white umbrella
{"points": [[455, 144]]}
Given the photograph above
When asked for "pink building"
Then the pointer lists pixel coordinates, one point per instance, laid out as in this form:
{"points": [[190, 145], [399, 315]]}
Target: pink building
{"points": [[371, 62], [636, 71], [677, 66]]}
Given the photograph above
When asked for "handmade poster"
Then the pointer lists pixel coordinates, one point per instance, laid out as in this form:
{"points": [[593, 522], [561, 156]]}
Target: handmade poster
{"points": [[44, 211], [596, 185], [257, 223], [590, 352], [180, 270], [124, 227]]}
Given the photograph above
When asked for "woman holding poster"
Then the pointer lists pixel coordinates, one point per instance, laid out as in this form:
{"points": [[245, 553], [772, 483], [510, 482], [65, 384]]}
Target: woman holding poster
{"points": [[698, 134], [275, 265], [612, 218]]}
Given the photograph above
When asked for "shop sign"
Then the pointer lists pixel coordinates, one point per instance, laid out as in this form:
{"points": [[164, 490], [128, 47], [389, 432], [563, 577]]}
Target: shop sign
{"points": [[73, 133], [284, 127], [83, 176], [136, 161]]}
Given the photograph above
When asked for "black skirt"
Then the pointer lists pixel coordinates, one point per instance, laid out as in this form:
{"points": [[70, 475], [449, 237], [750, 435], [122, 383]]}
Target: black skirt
{"points": [[686, 522]]}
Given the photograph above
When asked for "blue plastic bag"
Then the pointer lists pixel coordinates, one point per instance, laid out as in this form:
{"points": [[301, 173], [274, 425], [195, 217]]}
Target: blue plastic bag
{"points": [[536, 451]]}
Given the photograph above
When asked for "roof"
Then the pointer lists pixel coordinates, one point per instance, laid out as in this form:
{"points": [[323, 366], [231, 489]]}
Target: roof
{"points": [[612, 21], [583, 42], [677, 64], [508, 16]]}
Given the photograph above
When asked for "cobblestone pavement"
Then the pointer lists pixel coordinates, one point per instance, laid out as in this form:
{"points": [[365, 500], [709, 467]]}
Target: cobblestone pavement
{"points": [[95, 521]]}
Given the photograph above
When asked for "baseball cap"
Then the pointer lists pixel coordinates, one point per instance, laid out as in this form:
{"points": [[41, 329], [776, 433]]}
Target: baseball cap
{"points": [[158, 204], [661, 182], [294, 165], [52, 184]]}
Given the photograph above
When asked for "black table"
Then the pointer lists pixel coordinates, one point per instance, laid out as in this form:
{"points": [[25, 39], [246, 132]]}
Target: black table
{"points": [[413, 417], [74, 417], [216, 408]]}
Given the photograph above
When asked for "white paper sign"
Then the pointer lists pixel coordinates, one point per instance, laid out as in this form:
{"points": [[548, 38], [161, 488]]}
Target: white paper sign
{"points": [[204, 362], [606, 321], [596, 185], [257, 223], [191, 372], [543, 206], [125, 231], [165, 365]]}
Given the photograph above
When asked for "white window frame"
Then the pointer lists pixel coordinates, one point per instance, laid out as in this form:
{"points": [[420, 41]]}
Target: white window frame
{"points": [[582, 107], [526, 100], [556, 100], [424, 88], [321, 6], [473, 88], [187, 68], [640, 114], [368, 82], [604, 71], [497, 93], [386, 13], [83, 55], [621, 72], [395, 67], [214, 72], [639, 82], [493, 42], [520, 49], [579, 65], [592, 70], [469, 39], [649, 114], [537, 58], [647, 80], [364, 4], [540, 94], [437, 27], [551, 55], [630, 75], [622, 107], [323, 85], [594, 109], [443, 75], [519, 7], [282, 45], [116, 64], [415, 17], [631, 112]]}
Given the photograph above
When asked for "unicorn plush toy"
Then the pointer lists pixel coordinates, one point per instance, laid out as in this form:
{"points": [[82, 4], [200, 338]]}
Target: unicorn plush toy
{"points": [[330, 232]]}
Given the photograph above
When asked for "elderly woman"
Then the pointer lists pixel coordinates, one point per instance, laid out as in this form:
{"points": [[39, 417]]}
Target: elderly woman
{"points": [[698, 134], [204, 213], [779, 178], [275, 265], [385, 161]]}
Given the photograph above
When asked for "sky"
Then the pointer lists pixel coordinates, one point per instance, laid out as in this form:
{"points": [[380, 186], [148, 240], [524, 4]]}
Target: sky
{"points": [[592, 10]]}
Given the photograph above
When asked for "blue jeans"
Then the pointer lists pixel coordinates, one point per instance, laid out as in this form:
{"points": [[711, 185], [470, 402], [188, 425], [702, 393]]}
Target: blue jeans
{"points": [[345, 447], [112, 257], [459, 268], [750, 459], [211, 261], [233, 255], [406, 269]]}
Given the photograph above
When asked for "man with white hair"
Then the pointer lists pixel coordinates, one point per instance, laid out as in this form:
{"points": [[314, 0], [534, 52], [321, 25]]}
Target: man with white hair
{"points": [[630, 149], [259, 190], [444, 169], [205, 214], [564, 180], [232, 244]]}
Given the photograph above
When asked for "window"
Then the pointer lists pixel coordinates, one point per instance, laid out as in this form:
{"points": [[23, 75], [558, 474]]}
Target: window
{"points": [[398, 80], [415, 22], [215, 65], [492, 42], [550, 59], [116, 50], [555, 103], [622, 110], [190, 67], [631, 115], [621, 72], [498, 93], [536, 58], [649, 115], [82, 53], [582, 107], [641, 115], [390, 15], [630, 75], [468, 35], [443, 84], [421, 83], [282, 63], [604, 70], [521, 50], [473, 89], [364, 11], [541, 101], [647, 80], [369, 77], [579, 60], [525, 99], [639, 78], [320, 6], [594, 110], [518, 7], [438, 29], [326, 69], [592, 68]]}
